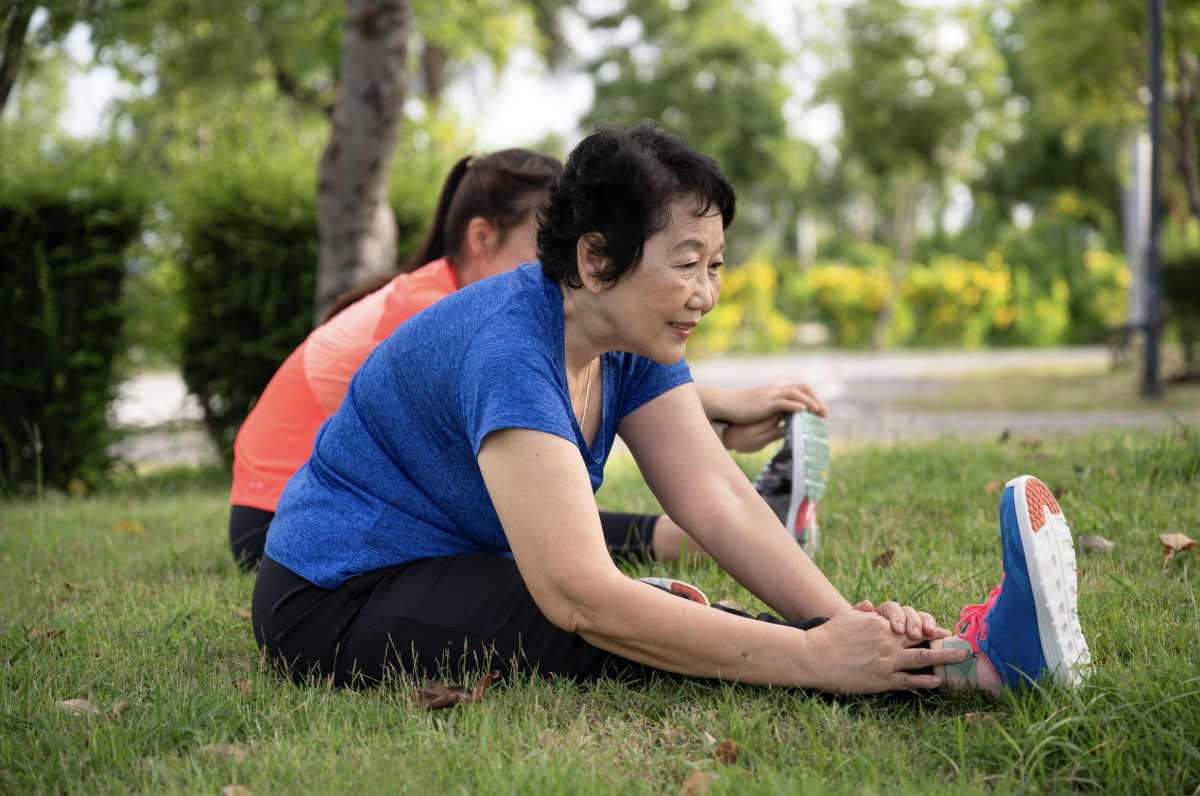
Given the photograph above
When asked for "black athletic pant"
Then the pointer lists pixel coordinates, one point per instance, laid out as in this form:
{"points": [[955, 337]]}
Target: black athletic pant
{"points": [[628, 535], [449, 615]]}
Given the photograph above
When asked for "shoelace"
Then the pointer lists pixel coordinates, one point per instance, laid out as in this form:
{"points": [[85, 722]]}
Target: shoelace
{"points": [[977, 614]]}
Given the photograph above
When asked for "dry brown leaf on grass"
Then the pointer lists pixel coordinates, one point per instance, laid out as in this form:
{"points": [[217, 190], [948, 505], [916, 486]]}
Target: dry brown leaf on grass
{"points": [[237, 790], [243, 686], [224, 751], [1096, 542], [992, 487], [127, 526], [437, 695], [1173, 543], [985, 719], [242, 615], [727, 753], [78, 706], [697, 783], [884, 560]]}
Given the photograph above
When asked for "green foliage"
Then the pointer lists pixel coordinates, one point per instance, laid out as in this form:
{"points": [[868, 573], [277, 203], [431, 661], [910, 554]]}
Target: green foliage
{"points": [[710, 73], [248, 260], [66, 221], [1181, 286]]}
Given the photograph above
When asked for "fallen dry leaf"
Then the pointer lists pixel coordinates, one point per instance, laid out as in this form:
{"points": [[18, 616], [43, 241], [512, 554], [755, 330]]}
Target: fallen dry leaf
{"points": [[224, 751], [437, 695], [986, 719], [122, 707], [1004, 435], [237, 790], [78, 706], [39, 632], [885, 560], [1173, 543], [243, 685], [992, 487], [727, 753], [698, 782], [242, 615], [1094, 541], [127, 526]]}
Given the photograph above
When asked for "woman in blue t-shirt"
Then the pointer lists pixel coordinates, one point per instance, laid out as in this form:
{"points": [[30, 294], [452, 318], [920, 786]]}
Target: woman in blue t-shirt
{"points": [[447, 516]]}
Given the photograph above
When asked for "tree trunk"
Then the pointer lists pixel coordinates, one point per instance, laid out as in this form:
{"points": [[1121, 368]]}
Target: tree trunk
{"points": [[433, 71], [14, 43], [1185, 152], [354, 218], [907, 194]]}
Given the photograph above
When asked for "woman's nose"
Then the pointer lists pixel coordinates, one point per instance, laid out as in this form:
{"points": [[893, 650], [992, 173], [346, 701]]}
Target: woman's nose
{"points": [[704, 294]]}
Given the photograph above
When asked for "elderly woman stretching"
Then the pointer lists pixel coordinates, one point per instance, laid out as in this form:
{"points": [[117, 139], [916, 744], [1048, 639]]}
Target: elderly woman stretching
{"points": [[447, 516]]}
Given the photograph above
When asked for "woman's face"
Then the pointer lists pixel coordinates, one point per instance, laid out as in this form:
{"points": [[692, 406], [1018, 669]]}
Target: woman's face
{"points": [[655, 308]]}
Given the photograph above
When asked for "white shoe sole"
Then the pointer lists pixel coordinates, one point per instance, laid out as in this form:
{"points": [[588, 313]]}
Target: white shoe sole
{"points": [[679, 587], [1050, 558]]}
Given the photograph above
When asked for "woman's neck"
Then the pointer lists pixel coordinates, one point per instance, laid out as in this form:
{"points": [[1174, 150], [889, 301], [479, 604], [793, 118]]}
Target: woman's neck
{"points": [[584, 328]]}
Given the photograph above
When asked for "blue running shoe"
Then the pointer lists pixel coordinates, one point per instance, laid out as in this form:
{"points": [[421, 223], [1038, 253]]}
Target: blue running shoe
{"points": [[1029, 627]]}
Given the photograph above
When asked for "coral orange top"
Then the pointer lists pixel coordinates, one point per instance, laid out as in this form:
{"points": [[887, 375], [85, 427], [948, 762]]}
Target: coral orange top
{"points": [[277, 437]]}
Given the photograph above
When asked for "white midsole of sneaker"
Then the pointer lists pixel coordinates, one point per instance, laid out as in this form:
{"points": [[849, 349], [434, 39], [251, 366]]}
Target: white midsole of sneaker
{"points": [[1050, 558], [799, 485]]}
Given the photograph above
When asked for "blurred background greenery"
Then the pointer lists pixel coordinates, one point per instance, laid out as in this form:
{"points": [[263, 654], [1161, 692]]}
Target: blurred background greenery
{"points": [[967, 192]]}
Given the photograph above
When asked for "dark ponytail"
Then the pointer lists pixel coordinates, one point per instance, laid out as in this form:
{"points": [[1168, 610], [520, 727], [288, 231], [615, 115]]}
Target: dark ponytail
{"points": [[501, 187]]}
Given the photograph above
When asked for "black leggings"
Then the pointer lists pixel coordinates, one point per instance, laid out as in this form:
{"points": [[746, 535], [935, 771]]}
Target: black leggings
{"points": [[628, 536], [449, 615]]}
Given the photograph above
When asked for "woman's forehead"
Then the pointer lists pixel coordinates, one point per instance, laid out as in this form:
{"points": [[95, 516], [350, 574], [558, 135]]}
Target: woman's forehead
{"points": [[688, 231]]}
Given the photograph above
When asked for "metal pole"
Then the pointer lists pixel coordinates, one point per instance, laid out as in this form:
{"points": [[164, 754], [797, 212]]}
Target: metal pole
{"points": [[1151, 386]]}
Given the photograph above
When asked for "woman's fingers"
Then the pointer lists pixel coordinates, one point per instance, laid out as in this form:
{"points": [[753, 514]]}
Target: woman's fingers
{"points": [[907, 681], [929, 626], [922, 657], [865, 606], [894, 613], [913, 624]]}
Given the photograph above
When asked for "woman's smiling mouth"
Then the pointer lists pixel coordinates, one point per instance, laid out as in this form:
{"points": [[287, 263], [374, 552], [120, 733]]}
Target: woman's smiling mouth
{"points": [[684, 330]]}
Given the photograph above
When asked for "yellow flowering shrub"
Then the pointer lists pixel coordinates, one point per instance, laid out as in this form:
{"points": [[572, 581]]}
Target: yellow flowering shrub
{"points": [[955, 302], [746, 317]]}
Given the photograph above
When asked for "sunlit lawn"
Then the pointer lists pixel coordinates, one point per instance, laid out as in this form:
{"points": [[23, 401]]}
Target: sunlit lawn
{"points": [[130, 597]]}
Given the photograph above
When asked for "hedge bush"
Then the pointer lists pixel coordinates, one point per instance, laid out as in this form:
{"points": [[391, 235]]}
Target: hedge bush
{"points": [[66, 220], [1181, 288], [247, 250], [248, 263]]}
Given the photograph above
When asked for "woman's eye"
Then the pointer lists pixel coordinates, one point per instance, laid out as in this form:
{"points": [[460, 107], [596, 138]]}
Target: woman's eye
{"points": [[687, 265], [717, 265]]}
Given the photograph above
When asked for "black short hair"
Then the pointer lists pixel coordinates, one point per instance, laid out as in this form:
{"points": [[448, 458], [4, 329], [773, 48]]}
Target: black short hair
{"points": [[620, 182]]}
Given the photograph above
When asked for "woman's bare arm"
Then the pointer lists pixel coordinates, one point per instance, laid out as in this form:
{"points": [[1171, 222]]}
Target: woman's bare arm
{"points": [[542, 494], [703, 491]]}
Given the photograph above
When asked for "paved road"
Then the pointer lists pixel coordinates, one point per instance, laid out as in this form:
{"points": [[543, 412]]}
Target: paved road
{"points": [[859, 387]]}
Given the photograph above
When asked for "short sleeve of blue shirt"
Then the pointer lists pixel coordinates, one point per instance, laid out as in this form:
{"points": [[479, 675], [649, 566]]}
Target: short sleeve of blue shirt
{"points": [[489, 399]]}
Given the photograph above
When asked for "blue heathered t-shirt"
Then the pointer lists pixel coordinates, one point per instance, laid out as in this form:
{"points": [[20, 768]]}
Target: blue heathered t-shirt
{"points": [[393, 476]]}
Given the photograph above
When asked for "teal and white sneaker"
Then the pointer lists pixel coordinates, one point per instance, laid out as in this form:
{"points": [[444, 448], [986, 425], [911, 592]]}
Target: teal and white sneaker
{"points": [[794, 480]]}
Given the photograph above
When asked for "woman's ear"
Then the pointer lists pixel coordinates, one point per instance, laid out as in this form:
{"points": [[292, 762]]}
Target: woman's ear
{"points": [[590, 261], [482, 238]]}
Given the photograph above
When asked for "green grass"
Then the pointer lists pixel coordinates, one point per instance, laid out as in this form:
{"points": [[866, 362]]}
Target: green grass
{"points": [[1058, 389], [150, 619]]}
